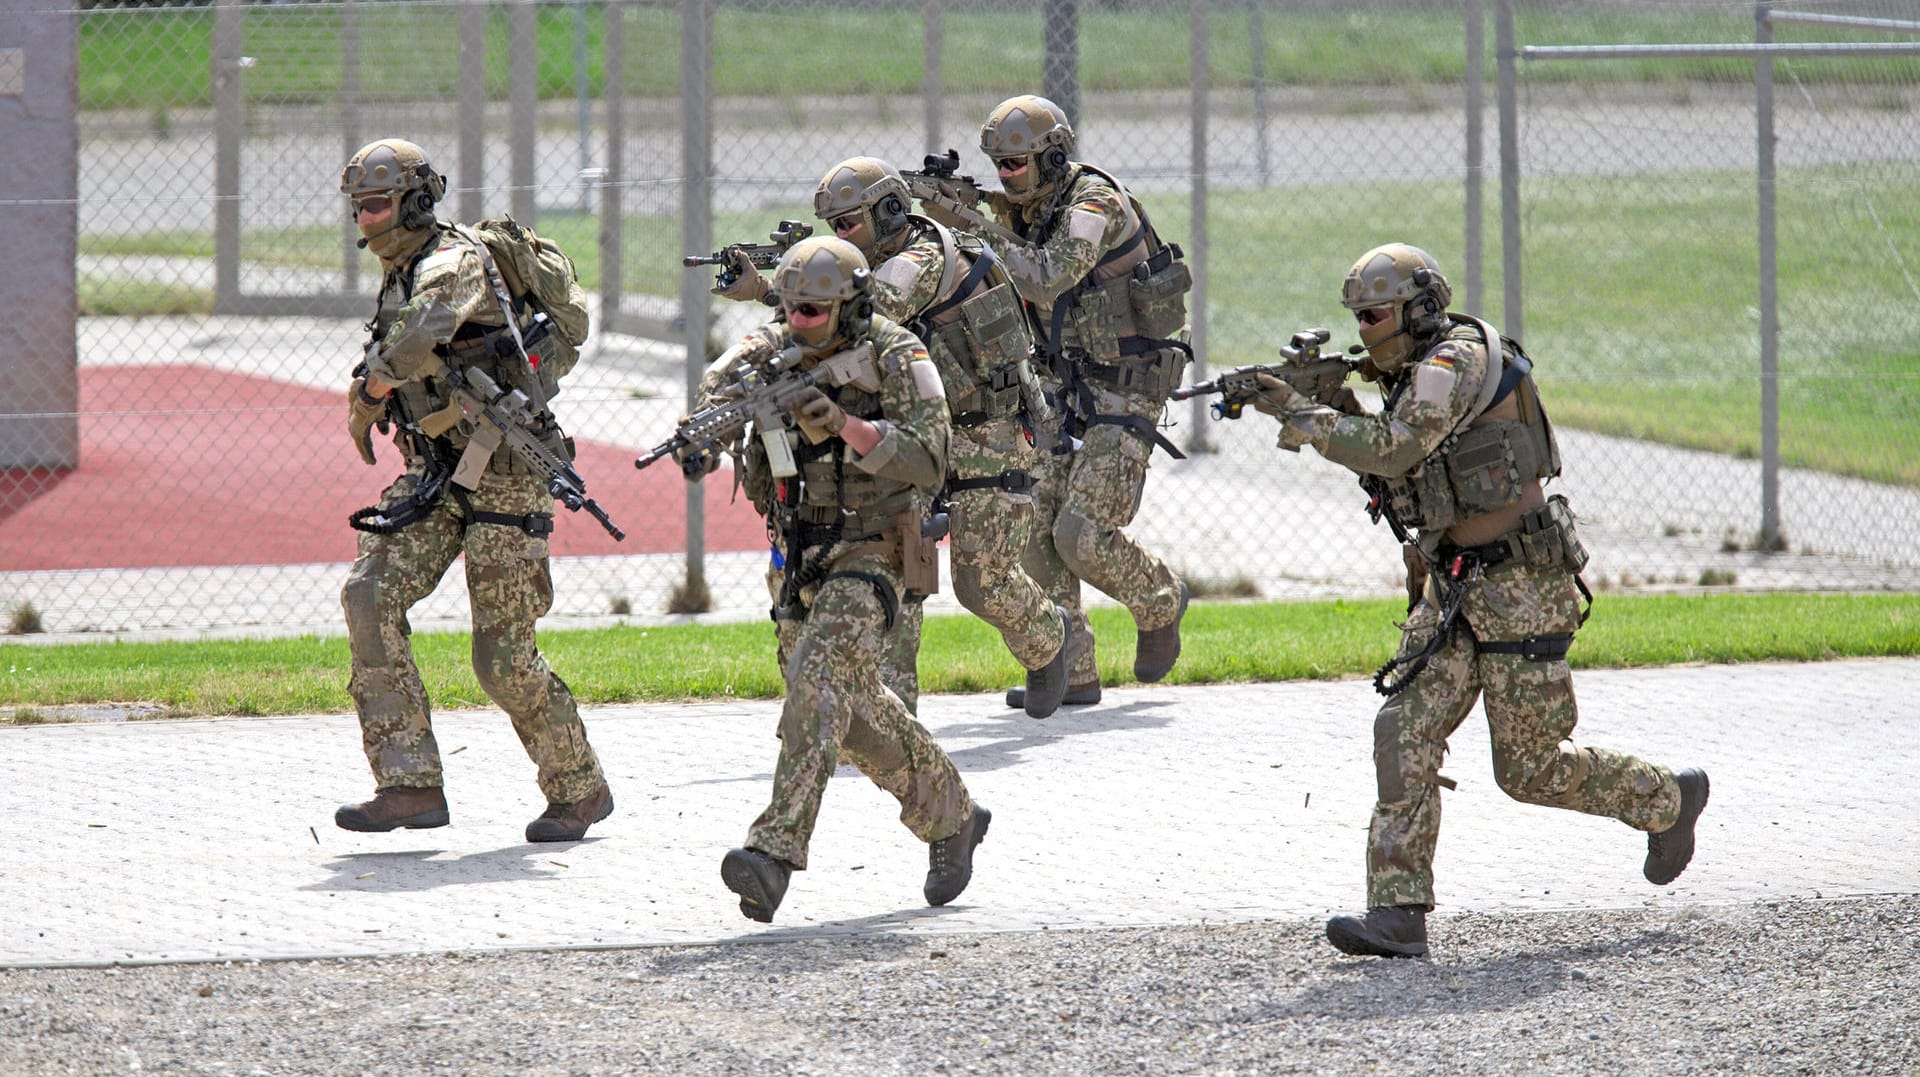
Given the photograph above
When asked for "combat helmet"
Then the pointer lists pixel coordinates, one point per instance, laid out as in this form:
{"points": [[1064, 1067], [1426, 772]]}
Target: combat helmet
{"points": [[870, 190], [825, 272], [1031, 127], [1400, 298], [399, 170]]}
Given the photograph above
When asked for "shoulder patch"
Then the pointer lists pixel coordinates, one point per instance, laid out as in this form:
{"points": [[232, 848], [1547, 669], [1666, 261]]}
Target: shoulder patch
{"points": [[1087, 224], [899, 271], [926, 379], [1433, 381]]}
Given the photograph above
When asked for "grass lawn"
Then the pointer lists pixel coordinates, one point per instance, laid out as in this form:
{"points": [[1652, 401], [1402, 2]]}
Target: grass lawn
{"points": [[158, 58], [1224, 642]]}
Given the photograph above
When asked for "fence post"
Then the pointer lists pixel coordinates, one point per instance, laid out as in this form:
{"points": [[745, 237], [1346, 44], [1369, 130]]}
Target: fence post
{"points": [[1197, 227], [1512, 312], [931, 88], [472, 111], [1476, 154], [1769, 289], [350, 140], [612, 209], [696, 234], [1257, 64], [229, 38], [523, 102], [40, 379]]}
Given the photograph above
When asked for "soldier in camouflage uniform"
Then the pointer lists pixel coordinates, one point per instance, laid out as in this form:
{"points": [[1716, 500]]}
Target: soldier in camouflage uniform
{"points": [[950, 290], [1107, 300], [438, 308], [868, 455], [1455, 462]]}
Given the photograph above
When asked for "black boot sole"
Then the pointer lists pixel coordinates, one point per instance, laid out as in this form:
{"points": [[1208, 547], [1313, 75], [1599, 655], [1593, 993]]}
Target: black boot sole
{"points": [[359, 823], [1075, 697], [1350, 937], [743, 878]]}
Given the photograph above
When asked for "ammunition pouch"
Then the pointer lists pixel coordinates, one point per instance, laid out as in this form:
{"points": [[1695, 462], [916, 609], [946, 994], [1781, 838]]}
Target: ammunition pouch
{"points": [[1490, 466], [1157, 293], [978, 347], [1544, 538], [1146, 369]]}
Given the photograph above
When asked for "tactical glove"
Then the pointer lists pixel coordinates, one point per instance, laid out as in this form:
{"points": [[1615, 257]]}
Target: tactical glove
{"points": [[750, 285], [1277, 398], [363, 412], [813, 408]]}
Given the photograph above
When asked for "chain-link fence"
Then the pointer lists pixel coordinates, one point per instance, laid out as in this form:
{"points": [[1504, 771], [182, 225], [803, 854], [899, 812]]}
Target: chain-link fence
{"points": [[205, 476]]}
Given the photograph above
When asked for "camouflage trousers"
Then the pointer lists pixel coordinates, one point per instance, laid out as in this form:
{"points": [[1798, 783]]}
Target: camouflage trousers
{"points": [[990, 531], [899, 659], [1530, 716], [1102, 495], [1048, 569], [509, 588], [838, 708]]}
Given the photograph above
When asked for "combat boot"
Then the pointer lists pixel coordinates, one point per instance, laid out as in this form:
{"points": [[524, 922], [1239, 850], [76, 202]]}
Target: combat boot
{"points": [[1386, 931], [950, 860], [1669, 850], [1047, 686], [759, 879], [1158, 648], [1078, 695], [569, 822], [416, 807]]}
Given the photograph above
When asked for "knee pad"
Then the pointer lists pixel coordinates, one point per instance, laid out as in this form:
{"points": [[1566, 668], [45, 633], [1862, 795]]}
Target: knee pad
{"points": [[1390, 765], [1074, 537]]}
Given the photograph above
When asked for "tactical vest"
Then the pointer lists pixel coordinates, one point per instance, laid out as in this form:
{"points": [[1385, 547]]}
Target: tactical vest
{"points": [[975, 330], [1477, 469], [832, 490], [1128, 310], [489, 348]]}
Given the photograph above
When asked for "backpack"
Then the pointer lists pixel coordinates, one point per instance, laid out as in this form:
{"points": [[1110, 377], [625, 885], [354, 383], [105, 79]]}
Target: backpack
{"points": [[537, 271]]}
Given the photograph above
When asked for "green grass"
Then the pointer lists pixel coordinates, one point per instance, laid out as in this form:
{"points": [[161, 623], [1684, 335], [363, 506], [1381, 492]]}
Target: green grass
{"points": [[1224, 642], [1641, 293], [154, 59]]}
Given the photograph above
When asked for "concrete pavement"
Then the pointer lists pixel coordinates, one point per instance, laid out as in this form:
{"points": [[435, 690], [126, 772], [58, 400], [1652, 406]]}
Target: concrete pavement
{"points": [[213, 839]]}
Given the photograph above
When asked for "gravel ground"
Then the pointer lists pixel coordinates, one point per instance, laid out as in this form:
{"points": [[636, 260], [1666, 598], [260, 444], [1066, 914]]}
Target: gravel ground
{"points": [[1778, 987]]}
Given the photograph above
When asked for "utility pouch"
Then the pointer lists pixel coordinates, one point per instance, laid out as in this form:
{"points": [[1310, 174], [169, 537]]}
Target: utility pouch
{"points": [[1490, 465], [1100, 316], [1431, 491], [1538, 537], [1572, 549], [919, 555], [1157, 292]]}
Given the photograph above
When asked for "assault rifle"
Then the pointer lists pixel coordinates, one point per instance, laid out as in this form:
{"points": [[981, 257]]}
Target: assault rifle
{"points": [[762, 255], [498, 417], [1312, 375], [938, 184], [760, 397]]}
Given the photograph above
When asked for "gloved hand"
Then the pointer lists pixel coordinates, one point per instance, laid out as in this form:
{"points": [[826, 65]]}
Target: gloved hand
{"points": [[1346, 403], [705, 459], [814, 408], [749, 287], [363, 412], [1277, 398]]}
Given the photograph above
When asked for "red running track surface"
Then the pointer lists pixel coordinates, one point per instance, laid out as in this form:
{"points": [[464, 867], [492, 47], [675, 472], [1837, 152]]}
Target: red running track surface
{"points": [[185, 465]]}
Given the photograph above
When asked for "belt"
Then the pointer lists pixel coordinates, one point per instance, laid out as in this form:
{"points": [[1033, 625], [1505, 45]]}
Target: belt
{"points": [[1486, 555]]}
